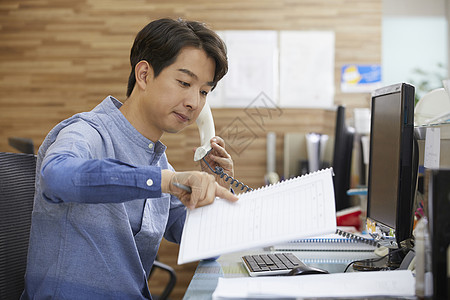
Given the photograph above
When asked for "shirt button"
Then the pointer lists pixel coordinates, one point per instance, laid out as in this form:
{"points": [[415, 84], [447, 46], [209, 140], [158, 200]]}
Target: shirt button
{"points": [[149, 182], [150, 146]]}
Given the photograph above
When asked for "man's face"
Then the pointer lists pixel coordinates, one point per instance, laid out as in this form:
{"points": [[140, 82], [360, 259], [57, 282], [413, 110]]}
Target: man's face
{"points": [[174, 99]]}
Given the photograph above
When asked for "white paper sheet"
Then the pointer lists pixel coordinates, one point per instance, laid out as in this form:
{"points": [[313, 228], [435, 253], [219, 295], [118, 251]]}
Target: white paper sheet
{"points": [[253, 68], [306, 69], [432, 148], [355, 284], [292, 209]]}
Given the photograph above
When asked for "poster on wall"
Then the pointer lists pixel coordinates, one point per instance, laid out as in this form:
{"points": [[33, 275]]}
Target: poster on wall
{"points": [[307, 69], [357, 78], [291, 68], [252, 68]]}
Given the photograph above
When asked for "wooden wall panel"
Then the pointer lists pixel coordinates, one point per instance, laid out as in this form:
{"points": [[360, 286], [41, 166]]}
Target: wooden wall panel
{"points": [[59, 57]]}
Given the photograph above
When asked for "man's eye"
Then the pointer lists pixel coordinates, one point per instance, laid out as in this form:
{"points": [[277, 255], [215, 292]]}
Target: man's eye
{"points": [[185, 84], [204, 93]]}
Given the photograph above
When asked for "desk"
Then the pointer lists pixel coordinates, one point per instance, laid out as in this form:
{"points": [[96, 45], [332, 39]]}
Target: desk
{"points": [[207, 274]]}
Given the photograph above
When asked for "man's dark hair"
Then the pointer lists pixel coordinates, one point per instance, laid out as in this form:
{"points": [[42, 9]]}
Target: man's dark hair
{"points": [[160, 42]]}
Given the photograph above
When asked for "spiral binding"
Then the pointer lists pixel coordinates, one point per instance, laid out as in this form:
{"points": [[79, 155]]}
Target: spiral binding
{"points": [[219, 171], [358, 238], [286, 181]]}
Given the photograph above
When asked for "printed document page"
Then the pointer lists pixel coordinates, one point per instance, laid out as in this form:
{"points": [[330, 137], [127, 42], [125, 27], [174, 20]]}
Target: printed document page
{"points": [[296, 208]]}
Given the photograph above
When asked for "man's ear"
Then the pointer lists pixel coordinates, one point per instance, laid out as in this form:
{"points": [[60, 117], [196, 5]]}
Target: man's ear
{"points": [[143, 72]]}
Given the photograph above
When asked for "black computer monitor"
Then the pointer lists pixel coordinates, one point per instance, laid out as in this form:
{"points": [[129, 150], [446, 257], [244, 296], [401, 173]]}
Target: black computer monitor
{"points": [[439, 228], [391, 184], [342, 159]]}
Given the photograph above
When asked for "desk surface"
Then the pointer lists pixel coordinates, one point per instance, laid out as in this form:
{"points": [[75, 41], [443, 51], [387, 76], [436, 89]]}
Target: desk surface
{"points": [[207, 274]]}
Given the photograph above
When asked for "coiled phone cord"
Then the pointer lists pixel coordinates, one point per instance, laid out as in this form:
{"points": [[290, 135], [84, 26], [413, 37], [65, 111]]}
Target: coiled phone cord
{"points": [[219, 171]]}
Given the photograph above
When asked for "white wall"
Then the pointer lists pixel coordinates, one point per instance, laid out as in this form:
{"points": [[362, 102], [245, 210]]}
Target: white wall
{"points": [[415, 36]]}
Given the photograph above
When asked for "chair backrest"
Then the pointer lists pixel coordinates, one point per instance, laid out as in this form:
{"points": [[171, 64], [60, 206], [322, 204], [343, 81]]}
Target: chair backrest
{"points": [[24, 145], [17, 178]]}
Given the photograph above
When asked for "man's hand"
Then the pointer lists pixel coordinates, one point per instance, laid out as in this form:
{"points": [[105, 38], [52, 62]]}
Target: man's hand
{"points": [[218, 156], [204, 188]]}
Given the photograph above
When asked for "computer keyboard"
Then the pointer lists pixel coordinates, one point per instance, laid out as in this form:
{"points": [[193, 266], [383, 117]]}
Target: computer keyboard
{"points": [[271, 264]]}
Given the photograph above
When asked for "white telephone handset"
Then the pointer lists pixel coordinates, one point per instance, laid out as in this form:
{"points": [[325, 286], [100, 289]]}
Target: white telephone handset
{"points": [[206, 130]]}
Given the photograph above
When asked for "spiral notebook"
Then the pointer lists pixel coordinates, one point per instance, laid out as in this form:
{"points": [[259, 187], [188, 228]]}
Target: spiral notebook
{"points": [[293, 209], [338, 241]]}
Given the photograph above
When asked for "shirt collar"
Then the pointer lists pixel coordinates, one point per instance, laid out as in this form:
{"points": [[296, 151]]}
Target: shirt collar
{"points": [[111, 105]]}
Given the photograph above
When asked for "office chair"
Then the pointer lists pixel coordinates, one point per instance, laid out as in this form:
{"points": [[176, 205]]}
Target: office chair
{"points": [[24, 145], [17, 179], [171, 283], [17, 176]]}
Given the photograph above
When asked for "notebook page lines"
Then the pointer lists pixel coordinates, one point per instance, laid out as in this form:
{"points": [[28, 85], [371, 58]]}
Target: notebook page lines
{"points": [[289, 210], [264, 217]]}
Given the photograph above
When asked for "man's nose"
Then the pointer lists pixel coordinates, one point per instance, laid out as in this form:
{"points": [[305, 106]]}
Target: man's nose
{"points": [[192, 100]]}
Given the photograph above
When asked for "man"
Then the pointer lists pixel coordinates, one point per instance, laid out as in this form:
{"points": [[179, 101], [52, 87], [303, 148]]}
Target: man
{"points": [[104, 188]]}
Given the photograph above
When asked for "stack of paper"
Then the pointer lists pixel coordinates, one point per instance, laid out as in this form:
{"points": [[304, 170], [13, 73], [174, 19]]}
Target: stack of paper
{"points": [[331, 242], [339, 285]]}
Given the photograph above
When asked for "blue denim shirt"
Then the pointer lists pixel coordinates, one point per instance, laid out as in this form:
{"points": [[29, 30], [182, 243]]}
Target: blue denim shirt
{"points": [[99, 214]]}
